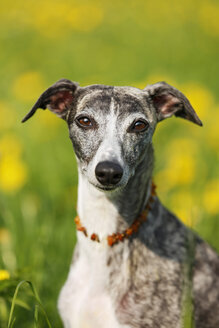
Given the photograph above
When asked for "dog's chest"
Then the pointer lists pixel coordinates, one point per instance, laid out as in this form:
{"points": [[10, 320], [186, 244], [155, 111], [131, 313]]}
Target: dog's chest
{"points": [[84, 300]]}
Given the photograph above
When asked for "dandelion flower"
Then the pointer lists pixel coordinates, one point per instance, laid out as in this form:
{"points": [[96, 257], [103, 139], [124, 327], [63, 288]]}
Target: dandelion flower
{"points": [[13, 173], [211, 197], [28, 86], [4, 275]]}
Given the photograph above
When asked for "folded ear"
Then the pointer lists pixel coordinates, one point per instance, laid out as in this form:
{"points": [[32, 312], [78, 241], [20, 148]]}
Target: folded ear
{"points": [[169, 101], [57, 98]]}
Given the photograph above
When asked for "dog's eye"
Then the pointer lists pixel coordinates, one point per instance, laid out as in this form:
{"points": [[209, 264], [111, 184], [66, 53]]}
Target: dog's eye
{"points": [[84, 122], [138, 126]]}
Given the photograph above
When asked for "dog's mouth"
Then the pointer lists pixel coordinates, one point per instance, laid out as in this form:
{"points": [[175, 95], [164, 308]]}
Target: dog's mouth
{"points": [[108, 188]]}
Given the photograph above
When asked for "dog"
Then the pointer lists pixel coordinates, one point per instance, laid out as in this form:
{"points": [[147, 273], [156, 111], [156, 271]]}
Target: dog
{"points": [[135, 265]]}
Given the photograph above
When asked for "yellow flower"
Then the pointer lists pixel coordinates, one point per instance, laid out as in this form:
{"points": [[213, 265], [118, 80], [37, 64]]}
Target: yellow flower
{"points": [[28, 86], [4, 275], [208, 17], [200, 98], [13, 173], [211, 197], [181, 169], [48, 119], [57, 19], [85, 17], [183, 205], [53, 19], [50, 20], [162, 14], [181, 165]]}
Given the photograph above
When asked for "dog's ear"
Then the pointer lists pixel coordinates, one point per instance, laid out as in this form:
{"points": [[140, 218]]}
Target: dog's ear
{"points": [[169, 101], [57, 98]]}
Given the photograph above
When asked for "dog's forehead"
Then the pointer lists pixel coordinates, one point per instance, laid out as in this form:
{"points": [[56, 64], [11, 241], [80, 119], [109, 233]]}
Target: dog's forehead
{"points": [[128, 99]]}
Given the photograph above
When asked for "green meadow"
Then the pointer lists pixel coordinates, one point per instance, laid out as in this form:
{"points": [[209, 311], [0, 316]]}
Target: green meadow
{"points": [[109, 42]]}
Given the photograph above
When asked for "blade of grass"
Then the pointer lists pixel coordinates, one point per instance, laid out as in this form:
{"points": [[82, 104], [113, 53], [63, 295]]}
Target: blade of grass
{"points": [[13, 322], [20, 303], [10, 322], [36, 316]]}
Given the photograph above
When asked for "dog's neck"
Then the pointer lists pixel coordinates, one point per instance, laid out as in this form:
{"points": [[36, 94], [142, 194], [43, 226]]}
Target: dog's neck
{"points": [[105, 213]]}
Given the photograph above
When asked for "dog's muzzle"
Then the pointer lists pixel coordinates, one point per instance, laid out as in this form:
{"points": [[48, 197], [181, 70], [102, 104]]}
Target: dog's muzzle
{"points": [[108, 173]]}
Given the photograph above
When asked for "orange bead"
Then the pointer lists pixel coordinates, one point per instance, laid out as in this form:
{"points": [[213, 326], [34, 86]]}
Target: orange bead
{"points": [[114, 238], [77, 220], [121, 236], [110, 240], [129, 231], [94, 237]]}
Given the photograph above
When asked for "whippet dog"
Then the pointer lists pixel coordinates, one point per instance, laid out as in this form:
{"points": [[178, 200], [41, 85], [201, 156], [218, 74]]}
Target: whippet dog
{"points": [[135, 264]]}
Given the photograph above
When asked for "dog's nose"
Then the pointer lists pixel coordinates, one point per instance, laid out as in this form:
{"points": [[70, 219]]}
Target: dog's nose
{"points": [[108, 173]]}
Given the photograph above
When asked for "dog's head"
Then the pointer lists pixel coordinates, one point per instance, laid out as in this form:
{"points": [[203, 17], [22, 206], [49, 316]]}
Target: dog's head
{"points": [[111, 128]]}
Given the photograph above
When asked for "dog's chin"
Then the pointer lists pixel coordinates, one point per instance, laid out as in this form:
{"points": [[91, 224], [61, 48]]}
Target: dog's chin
{"points": [[108, 189]]}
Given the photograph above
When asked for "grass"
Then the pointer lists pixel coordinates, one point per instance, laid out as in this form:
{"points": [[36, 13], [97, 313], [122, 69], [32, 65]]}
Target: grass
{"points": [[119, 43], [37, 307]]}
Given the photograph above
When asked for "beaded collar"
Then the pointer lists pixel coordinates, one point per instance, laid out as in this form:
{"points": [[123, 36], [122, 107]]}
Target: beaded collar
{"points": [[117, 237]]}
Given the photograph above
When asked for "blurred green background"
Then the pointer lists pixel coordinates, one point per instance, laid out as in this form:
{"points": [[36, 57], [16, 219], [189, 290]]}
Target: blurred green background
{"points": [[108, 42]]}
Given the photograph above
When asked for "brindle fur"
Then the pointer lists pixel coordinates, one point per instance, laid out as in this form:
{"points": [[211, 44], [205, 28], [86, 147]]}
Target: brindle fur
{"points": [[148, 280]]}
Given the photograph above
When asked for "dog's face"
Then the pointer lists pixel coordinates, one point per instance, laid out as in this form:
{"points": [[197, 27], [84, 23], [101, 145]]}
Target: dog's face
{"points": [[111, 128]]}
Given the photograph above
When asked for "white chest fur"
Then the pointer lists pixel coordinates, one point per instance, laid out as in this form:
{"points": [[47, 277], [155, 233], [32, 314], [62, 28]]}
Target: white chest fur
{"points": [[97, 213], [84, 301]]}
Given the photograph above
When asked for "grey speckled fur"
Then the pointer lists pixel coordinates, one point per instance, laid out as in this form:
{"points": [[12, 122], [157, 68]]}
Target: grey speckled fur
{"points": [[150, 278]]}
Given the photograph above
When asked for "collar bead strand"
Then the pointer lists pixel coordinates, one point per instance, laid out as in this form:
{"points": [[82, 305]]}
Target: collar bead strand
{"points": [[117, 237]]}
